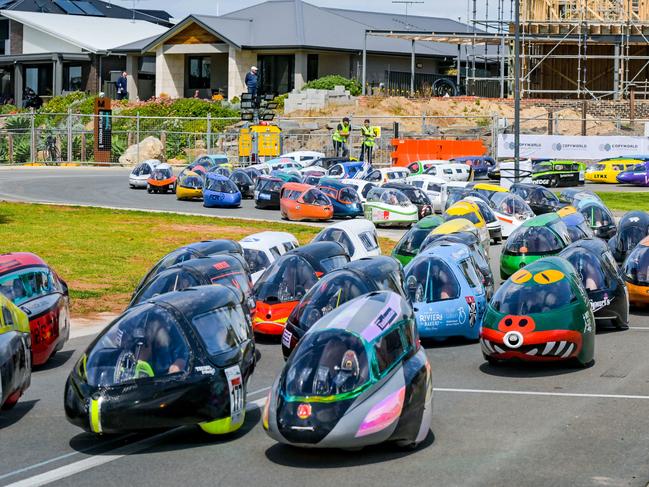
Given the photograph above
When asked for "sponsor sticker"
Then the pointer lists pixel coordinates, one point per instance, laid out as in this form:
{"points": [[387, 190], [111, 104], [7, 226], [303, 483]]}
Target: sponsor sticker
{"points": [[286, 338], [235, 386]]}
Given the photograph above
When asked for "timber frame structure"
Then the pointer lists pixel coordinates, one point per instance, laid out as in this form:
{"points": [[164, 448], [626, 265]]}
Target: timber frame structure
{"points": [[575, 49]]}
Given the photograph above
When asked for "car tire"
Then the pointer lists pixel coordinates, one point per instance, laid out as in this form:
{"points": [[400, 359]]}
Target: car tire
{"points": [[492, 361], [584, 365], [11, 402], [149, 189], [620, 325]]}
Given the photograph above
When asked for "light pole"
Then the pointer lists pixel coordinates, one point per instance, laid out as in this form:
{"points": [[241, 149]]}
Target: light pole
{"points": [[517, 90]]}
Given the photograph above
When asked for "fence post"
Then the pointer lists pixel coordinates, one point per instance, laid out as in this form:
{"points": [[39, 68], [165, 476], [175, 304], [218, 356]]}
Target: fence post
{"points": [[494, 135], [550, 120], [209, 133], [32, 145], [137, 135], [69, 157], [423, 123], [584, 111], [10, 147]]}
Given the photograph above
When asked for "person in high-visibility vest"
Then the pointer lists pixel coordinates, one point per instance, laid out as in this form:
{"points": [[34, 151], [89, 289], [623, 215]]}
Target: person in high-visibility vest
{"points": [[340, 138], [367, 145]]}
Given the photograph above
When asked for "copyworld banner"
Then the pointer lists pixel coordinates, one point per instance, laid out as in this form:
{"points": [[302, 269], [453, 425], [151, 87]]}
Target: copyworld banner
{"points": [[591, 147]]}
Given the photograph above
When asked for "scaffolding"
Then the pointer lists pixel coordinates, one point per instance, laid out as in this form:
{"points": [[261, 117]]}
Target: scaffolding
{"points": [[578, 49]]}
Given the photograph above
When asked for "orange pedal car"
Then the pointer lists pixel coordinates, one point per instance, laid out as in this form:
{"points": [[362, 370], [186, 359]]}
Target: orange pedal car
{"points": [[304, 202]]}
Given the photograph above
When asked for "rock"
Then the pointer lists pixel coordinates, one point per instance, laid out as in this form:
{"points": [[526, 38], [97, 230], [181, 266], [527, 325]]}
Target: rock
{"points": [[149, 148]]}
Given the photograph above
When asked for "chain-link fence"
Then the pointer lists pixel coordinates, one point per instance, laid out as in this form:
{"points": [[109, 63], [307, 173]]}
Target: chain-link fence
{"points": [[70, 137]]}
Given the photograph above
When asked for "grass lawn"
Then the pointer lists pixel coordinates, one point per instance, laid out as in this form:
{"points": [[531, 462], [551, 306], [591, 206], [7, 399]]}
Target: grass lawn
{"points": [[626, 201], [103, 254]]}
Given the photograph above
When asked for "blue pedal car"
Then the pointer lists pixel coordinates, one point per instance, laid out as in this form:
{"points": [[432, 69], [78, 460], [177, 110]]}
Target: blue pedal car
{"points": [[446, 293], [220, 192], [344, 198]]}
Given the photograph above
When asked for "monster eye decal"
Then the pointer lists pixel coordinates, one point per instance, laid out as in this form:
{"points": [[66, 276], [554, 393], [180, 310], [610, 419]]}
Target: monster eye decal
{"points": [[521, 276], [549, 276]]}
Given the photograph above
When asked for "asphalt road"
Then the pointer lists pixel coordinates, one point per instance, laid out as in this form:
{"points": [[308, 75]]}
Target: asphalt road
{"points": [[505, 426]]}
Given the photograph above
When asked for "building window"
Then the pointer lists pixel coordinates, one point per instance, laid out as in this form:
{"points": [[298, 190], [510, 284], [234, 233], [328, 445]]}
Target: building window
{"points": [[199, 72], [4, 37], [312, 67], [72, 78], [39, 78], [276, 74]]}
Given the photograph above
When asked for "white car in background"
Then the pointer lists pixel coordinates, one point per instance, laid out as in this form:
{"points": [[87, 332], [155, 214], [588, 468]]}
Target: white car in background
{"points": [[451, 171], [433, 186], [511, 210], [358, 237], [283, 164], [394, 174], [261, 167], [361, 186], [141, 173], [262, 249], [304, 157]]}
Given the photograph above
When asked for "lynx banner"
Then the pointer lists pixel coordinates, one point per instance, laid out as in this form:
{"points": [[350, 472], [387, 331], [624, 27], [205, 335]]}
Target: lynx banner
{"points": [[591, 147]]}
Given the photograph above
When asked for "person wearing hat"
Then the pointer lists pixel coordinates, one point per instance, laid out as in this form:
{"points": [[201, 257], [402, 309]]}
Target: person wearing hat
{"points": [[340, 138], [251, 81]]}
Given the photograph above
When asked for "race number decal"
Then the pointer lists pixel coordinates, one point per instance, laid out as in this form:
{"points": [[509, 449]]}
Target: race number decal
{"points": [[286, 338], [235, 385]]}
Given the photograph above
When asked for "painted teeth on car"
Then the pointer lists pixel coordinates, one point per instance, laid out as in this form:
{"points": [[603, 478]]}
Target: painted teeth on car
{"points": [[562, 349]]}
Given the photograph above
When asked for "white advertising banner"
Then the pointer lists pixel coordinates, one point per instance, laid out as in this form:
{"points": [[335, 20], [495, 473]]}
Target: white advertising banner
{"points": [[590, 147]]}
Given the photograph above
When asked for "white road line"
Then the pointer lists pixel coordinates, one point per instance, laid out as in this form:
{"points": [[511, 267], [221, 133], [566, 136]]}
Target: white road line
{"points": [[639, 328], [263, 389], [539, 393], [98, 460]]}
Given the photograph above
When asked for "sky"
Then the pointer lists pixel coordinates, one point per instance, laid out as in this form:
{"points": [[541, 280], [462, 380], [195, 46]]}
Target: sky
{"points": [[436, 8]]}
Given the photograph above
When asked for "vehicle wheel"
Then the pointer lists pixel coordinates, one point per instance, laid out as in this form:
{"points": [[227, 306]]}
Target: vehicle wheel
{"points": [[582, 365], [149, 190], [11, 401], [407, 445], [620, 325], [492, 361]]}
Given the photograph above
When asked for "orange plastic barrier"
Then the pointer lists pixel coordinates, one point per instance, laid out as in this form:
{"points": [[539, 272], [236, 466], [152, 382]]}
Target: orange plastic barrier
{"points": [[412, 150]]}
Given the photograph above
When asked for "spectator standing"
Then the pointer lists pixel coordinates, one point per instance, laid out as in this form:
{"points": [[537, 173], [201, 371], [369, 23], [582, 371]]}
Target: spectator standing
{"points": [[122, 86], [367, 145], [340, 138], [252, 80]]}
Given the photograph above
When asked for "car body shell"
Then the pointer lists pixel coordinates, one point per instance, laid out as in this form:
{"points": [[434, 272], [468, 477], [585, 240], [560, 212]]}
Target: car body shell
{"points": [[394, 174], [576, 223], [408, 247], [358, 277], [15, 353], [344, 198], [393, 402], [417, 197], [470, 211], [572, 196], [601, 278], [549, 234], [493, 223], [458, 307], [161, 180], [294, 206], [419, 167], [540, 199], [244, 183], [511, 210], [304, 157], [451, 171], [636, 274], [638, 175], [267, 192], [632, 229], [361, 186], [346, 170], [139, 176], [389, 207], [607, 171], [38, 291], [546, 317], [263, 248], [187, 187], [555, 173], [433, 186], [276, 296], [479, 164], [359, 238], [283, 164], [599, 217], [216, 198], [103, 395]]}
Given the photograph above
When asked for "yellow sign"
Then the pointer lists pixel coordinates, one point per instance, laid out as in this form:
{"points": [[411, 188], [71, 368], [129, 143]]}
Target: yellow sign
{"points": [[262, 140]]}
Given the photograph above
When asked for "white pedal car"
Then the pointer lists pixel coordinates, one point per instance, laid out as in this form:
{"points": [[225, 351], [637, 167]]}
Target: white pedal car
{"points": [[361, 186], [433, 186], [304, 157], [511, 210], [262, 249], [140, 174], [390, 207], [451, 171], [357, 236]]}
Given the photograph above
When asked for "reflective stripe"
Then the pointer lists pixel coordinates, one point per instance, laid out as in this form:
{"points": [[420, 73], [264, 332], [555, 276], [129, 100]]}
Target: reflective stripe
{"points": [[95, 414]]}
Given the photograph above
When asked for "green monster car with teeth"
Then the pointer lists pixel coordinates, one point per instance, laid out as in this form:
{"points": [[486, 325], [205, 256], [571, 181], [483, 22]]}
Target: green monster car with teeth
{"points": [[554, 173], [538, 237], [408, 246]]}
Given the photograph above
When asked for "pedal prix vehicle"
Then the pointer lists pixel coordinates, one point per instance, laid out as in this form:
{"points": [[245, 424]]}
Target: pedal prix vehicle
{"points": [[359, 277], [577, 225], [633, 227], [540, 199], [511, 210], [601, 278], [487, 190], [572, 196], [493, 224], [288, 279], [637, 175], [29, 283], [416, 196], [304, 157], [267, 192], [540, 314], [479, 164], [539, 237], [190, 186], [140, 174], [409, 245], [221, 171], [263, 248], [361, 186], [555, 173], [344, 198], [450, 171], [15, 353], [244, 182], [358, 238], [599, 217], [224, 269], [195, 250], [636, 273], [359, 377], [389, 207], [287, 177], [161, 180], [419, 167], [220, 192], [394, 174], [298, 202], [346, 170], [179, 359], [434, 187], [312, 178], [446, 293], [607, 171], [468, 210]]}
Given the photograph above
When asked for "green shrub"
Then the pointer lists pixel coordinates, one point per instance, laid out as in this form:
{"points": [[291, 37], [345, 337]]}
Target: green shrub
{"points": [[330, 82]]}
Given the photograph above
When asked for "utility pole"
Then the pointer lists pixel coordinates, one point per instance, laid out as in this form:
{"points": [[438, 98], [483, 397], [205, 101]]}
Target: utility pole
{"points": [[517, 90]]}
